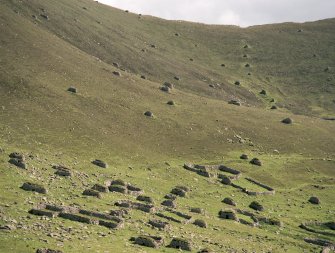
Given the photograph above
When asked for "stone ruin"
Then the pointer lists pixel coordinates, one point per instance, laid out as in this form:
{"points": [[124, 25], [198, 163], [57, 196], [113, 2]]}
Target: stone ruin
{"points": [[185, 217], [197, 210], [145, 199], [169, 203], [228, 214], [180, 191], [123, 187], [147, 208], [78, 215], [62, 171], [162, 225], [18, 160], [149, 241], [93, 193], [180, 243], [28, 186], [269, 190]]}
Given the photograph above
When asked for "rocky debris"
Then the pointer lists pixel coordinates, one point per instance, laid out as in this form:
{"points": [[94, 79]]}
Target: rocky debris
{"points": [[226, 180], [200, 223], [197, 210], [256, 206], [100, 188], [94, 193], [48, 251], [62, 171], [287, 121], [256, 161], [171, 102], [100, 163], [234, 102], [314, 200], [144, 199], [244, 157], [159, 224], [72, 89], [274, 107], [180, 243], [116, 73], [149, 114], [28, 186], [169, 203], [149, 241], [263, 92], [229, 201], [228, 214]]}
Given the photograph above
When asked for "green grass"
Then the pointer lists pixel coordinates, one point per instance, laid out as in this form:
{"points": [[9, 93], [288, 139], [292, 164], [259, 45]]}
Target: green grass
{"points": [[41, 58]]}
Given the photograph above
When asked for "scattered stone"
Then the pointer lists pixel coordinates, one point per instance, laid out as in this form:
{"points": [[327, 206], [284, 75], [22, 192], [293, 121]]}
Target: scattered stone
{"points": [[171, 102], [244, 157], [149, 114], [116, 73], [149, 241], [234, 102], [200, 223], [314, 200], [287, 121], [33, 187], [100, 163], [169, 203], [228, 214], [179, 243], [263, 92], [256, 206], [229, 201], [48, 251]]}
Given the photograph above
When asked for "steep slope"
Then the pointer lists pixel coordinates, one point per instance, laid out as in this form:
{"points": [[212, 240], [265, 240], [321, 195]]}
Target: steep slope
{"points": [[41, 58]]}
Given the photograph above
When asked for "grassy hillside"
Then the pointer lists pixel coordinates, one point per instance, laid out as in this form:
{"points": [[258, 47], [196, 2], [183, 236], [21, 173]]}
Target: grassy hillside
{"points": [[77, 45]]}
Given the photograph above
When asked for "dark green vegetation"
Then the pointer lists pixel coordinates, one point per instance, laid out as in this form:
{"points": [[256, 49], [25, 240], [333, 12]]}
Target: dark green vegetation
{"points": [[47, 46]]}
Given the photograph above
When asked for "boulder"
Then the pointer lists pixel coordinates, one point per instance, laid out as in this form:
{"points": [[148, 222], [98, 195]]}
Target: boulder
{"points": [[229, 201], [314, 200], [100, 163], [256, 206], [149, 114], [256, 161], [200, 223], [244, 157], [287, 121], [225, 180], [237, 83], [116, 73], [72, 89], [171, 102], [274, 107]]}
